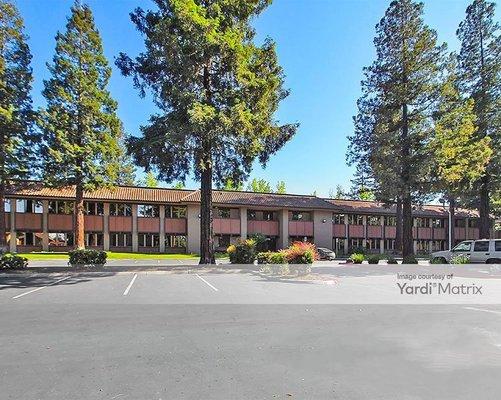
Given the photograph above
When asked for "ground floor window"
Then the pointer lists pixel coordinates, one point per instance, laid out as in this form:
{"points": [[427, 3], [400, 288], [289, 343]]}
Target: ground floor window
{"points": [[422, 246], [338, 245], [356, 244], [29, 238], [438, 245], [373, 244], [221, 242], [175, 241], [61, 239], [293, 239], [148, 240], [120, 239], [93, 239], [389, 244]]}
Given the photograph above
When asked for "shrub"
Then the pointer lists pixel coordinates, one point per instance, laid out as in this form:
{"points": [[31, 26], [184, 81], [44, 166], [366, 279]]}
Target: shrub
{"points": [[263, 257], [460, 259], [358, 250], [13, 261], [373, 259], [87, 258], [244, 252], [301, 253], [438, 260], [391, 260], [409, 260], [357, 258]]}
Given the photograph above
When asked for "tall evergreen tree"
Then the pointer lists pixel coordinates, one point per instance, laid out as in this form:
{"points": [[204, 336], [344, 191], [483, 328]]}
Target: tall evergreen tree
{"points": [[16, 116], [399, 94], [80, 126], [126, 170], [217, 92], [480, 67], [459, 156]]}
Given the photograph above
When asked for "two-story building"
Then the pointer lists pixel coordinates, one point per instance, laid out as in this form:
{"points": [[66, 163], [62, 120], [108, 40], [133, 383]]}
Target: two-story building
{"points": [[138, 219]]}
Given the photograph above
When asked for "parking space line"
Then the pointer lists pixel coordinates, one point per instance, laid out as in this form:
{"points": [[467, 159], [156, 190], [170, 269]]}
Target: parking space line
{"points": [[130, 285], [41, 287], [483, 310], [208, 284]]}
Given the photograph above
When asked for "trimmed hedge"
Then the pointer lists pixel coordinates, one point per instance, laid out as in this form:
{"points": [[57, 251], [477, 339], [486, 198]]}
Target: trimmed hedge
{"points": [[410, 260], [87, 258], [13, 261], [373, 259]]}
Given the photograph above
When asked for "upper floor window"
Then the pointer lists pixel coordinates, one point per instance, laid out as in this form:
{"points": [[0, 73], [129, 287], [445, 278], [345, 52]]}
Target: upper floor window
{"points": [[338, 219], [255, 215], [438, 222], [473, 223], [225, 213], [61, 207], [390, 220], [355, 219], [422, 222], [148, 211], [373, 220], [29, 206], [120, 209], [460, 223], [93, 208], [300, 216], [175, 212], [6, 205]]}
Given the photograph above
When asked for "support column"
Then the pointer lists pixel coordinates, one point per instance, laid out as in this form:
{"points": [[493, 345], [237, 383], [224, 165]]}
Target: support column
{"points": [[364, 223], [243, 223], [106, 226], [381, 243], [135, 247], [45, 225], [162, 229], [467, 229], [283, 219], [13, 230], [346, 235], [193, 229]]}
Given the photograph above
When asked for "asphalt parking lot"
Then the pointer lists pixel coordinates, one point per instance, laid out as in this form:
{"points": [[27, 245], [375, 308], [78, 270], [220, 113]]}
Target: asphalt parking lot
{"points": [[234, 334]]}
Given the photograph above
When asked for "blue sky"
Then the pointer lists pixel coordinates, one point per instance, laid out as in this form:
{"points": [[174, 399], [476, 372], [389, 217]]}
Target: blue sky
{"points": [[322, 46]]}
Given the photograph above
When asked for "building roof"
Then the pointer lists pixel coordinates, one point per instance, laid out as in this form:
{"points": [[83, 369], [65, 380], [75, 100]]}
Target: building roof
{"points": [[33, 189]]}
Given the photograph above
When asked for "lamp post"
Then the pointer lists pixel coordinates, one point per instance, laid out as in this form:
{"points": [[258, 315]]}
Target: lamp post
{"points": [[443, 200]]}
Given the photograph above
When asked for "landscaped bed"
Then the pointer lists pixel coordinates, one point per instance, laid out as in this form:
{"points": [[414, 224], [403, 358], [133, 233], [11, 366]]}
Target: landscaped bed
{"points": [[43, 256]]}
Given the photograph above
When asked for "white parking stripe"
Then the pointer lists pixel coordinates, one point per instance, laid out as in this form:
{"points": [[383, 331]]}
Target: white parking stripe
{"points": [[130, 285], [41, 287], [208, 284], [483, 310]]}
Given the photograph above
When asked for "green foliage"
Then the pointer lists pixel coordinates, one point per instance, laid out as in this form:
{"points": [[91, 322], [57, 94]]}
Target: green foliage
{"points": [[150, 180], [460, 259], [87, 258], [259, 186], [281, 189], [438, 260], [301, 253], [358, 250], [13, 261], [179, 185], [126, 171], [230, 185], [373, 259], [357, 258], [409, 260], [244, 252], [391, 260]]}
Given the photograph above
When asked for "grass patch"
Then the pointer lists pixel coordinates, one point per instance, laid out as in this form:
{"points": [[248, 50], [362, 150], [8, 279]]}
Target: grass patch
{"points": [[42, 256]]}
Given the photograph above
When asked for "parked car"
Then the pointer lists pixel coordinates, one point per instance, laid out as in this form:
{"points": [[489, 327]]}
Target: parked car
{"points": [[479, 251], [326, 254]]}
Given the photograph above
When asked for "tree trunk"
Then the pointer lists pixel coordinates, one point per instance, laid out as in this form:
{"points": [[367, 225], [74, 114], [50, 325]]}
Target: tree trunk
{"points": [[407, 245], [206, 232], [3, 242], [79, 219], [398, 228], [483, 209], [452, 219]]}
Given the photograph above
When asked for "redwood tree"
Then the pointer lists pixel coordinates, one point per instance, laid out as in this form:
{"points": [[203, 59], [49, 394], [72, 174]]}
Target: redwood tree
{"points": [[80, 126], [217, 93]]}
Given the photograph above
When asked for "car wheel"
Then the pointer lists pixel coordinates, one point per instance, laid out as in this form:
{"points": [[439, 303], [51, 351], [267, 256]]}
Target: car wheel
{"points": [[493, 261]]}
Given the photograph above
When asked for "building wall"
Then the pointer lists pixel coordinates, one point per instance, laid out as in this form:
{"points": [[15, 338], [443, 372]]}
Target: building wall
{"points": [[193, 228]]}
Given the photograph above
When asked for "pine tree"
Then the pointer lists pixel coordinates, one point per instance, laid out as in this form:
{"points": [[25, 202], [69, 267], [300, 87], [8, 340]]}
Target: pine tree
{"points": [[400, 90], [460, 157], [217, 93], [150, 180], [480, 73], [80, 126], [17, 140], [126, 170]]}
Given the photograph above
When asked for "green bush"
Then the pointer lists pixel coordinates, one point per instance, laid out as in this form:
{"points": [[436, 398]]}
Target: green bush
{"points": [[244, 252], [357, 258], [391, 260], [13, 261], [263, 257], [358, 250], [438, 260], [87, 258], [460, 259], [373, 259], [409, 260]]}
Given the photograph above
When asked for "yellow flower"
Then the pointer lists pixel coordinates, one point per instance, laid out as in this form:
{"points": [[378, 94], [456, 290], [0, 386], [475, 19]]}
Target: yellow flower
{"points": [[231, 248]]}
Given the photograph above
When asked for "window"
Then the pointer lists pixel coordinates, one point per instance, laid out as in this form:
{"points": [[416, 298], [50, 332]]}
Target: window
{"points": [[338, 219], [93, 208], [390, 220], [61, 207], [29, 206], [356, 244], [119, 209], [459, 223], [306, 239], [300, 216], [29, 239], [497, 245], [175, 241], [221, 242], [422, 222], [6, 204], [373, 220], [224, 213], [93, 239], [148, 211], [252, 215], [438, 245], [473, 223], [355, 219], [338, 245], [255, 215], [482, 245], [269, 216], [438, 222], [389, 244], [373, 244], [463, 246], [59, 239], [149, 240], [175, 212], [422, 246], [120, 239]]}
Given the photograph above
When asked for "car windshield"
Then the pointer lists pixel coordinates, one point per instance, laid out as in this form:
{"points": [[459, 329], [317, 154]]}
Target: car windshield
{"points": [[463, 246]]}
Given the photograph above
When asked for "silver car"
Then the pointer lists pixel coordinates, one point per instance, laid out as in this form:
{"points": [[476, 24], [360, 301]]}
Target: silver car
{"points": [[479, 251]]}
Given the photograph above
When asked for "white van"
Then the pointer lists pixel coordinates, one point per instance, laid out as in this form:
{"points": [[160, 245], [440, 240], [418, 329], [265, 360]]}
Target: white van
{"points": [[480, 251]]}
